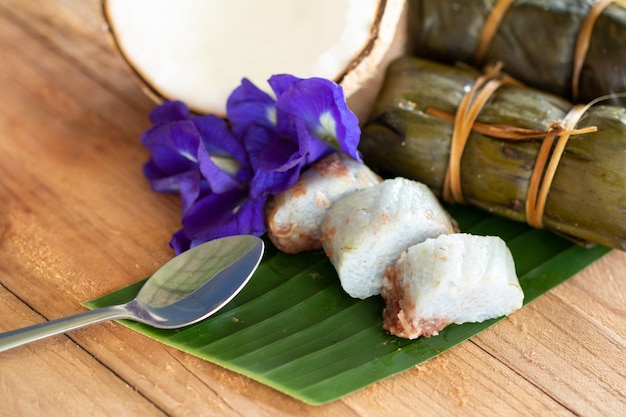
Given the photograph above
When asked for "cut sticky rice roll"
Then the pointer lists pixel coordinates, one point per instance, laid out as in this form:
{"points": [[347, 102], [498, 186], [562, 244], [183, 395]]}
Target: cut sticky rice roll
{"points": [[294, 217], [366, 231], [454, 278]]}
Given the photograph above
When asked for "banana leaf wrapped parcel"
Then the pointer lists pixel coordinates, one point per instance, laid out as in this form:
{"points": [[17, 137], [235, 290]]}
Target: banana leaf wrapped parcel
{"points": [[522, 155], [573, 48]]}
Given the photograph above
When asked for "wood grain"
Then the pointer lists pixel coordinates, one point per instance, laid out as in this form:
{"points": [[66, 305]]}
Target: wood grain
{"points": [[60, 377], [78, 220]]}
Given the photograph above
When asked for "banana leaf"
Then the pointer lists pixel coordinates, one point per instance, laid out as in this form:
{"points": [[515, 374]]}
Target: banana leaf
{"points": [[535, 40], [587, 199], [294, 329]]}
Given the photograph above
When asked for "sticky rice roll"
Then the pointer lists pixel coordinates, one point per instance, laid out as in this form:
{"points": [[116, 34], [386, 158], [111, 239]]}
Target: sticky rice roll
{"points": [[366, 231], [454, 278], [294, 217]]}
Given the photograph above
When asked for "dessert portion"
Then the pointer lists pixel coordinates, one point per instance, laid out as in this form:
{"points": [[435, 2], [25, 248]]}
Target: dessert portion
{"points": [[294, 217], [366, 231], [394, 238], [453, 278]]}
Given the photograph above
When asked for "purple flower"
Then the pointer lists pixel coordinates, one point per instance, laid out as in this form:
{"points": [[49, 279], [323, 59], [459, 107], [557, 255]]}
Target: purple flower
{"points": [[218, 215], [247, 106], [192, 155], [321, 105], [225, 171], [199, 158], [285, 135]]}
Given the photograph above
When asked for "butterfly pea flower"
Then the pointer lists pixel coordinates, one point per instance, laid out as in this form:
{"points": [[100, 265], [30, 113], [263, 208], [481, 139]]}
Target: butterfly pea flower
{"points": [[225, 171], [173, 143], [199, 158], [218, 215], [307, 120], [192, 155], [320, 104]]}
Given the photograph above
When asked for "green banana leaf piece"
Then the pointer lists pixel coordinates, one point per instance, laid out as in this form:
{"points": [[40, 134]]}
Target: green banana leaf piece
{"points": [[294, 329]]}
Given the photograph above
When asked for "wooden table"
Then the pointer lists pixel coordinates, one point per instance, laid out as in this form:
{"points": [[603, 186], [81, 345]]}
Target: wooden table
{"points": [[77, 220]]}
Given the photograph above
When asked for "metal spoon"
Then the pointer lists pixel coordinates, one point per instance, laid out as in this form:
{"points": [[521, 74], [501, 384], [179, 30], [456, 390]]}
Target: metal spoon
{"points": [[187, 289]]}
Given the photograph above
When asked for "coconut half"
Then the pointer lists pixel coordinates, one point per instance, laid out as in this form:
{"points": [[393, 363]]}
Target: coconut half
{"points": [[198, 51]]}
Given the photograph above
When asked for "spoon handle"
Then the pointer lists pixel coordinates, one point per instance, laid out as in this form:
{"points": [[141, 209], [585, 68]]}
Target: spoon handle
{"points": [[22, 336]]}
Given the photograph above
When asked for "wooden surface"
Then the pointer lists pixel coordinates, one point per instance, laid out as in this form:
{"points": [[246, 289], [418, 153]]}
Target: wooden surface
{"points": [[78, 220]]}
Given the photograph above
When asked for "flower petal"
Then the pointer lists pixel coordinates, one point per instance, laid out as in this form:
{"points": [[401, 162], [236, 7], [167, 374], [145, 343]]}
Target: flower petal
{"points": [[219, 215], [311, 146], [169, 111], [321, 104], [191, 187], [211, 210], [276, 161], [265, 183], [171, 184], [247, 219], [180, 242], [218, 139], [282, 82], [270, 152], [173, 147], [248, 105], [219, 180], [251, 217]]}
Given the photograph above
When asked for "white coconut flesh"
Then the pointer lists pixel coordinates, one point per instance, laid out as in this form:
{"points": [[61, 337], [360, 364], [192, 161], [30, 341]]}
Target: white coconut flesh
{"points": [[198, 51]]}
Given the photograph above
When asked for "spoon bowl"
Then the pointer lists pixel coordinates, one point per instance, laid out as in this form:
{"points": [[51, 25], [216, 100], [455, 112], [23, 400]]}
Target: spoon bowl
{"points": [[189, 288]]}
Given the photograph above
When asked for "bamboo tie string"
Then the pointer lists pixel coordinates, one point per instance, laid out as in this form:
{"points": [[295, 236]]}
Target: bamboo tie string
{"points": [[546, 165], [548, 156], [584, 39], [468, 110], [489, 29]]}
